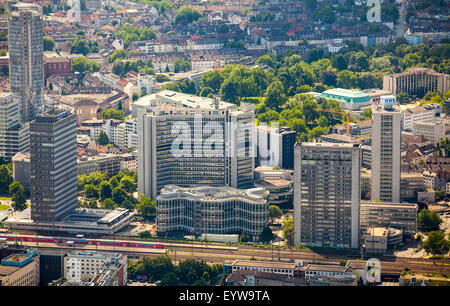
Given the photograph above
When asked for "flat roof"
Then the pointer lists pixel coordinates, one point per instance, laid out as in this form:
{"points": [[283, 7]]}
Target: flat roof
{"points": [[325, 268], [346, 93], [264, 264], [182, 99]]}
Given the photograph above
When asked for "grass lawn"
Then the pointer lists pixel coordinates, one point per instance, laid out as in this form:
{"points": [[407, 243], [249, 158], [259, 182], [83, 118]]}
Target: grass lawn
{"points": [[4, 207]]}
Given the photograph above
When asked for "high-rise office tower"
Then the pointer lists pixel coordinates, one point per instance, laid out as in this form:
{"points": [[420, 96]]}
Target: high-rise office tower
{"points": [[14, 137], [26, 61], [327, 194], [386, 125], [53, 165], [198, 144]]}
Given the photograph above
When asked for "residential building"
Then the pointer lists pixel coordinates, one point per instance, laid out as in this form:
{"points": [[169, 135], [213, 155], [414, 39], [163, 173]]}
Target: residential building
{"points": [[21, 169], [212, 210], [327, 194], [416, 81], [55, 64], [430, 130], [386, 118], [107, 163], [20, 269], [53, 157], [426, 113], [26, 61], [410, 185], [90, 268], [131, 133], [431, 179]]}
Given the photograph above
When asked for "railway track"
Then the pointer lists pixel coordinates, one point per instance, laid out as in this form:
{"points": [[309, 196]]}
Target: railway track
{"points": [[219, 253]]}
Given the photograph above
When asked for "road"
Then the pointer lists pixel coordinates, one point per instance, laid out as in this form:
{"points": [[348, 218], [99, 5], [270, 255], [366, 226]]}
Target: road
{"points": [[219, 253]]}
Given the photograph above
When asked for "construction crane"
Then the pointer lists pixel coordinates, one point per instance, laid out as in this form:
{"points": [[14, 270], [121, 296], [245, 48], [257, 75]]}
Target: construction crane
{"points": [[339, 112]]}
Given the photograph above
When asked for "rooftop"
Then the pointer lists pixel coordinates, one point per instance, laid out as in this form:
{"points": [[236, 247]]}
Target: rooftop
{"points": [[207, 193], [264, 264], [181, 99]]}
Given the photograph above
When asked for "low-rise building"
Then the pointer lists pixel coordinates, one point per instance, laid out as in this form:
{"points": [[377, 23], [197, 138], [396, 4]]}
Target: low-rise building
{"points": [[95, 268], [350, 99], [287, 269], [280, 191], [386, 214], [430, 130], [109, 163], [21, 169], [380, 239], [426, 113], [20, 269], [212, 210]]}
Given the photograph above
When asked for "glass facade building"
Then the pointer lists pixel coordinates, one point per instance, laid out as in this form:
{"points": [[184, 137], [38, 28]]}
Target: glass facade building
{"points": [[212, 210]]}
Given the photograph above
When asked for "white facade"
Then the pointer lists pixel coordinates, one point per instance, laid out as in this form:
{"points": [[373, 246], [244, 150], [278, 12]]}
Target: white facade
{"points": [[81, 266], [426, 113], [430, 179], [430, 130], [386, 121]]}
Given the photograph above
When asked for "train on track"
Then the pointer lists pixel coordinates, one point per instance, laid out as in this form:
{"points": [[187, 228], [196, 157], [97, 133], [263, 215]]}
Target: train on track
{"points": [[82, 241]]}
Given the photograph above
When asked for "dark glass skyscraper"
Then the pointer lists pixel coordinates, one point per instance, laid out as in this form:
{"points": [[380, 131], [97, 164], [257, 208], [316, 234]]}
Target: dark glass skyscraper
{"points": [[53, 165]]}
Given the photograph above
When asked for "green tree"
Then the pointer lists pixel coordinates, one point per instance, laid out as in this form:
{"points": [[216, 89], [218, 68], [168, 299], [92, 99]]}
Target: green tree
{"points": [[367, 113], [212, 79], [161, 78], [81, 64], [49, 43], [102, 139], [119, 195], [108, 204], [266, 234], [267, 59], [114, 182], [339, 62], [428, 221], [146, 207], [170, 279], [127, 184], [403, 98], [5, 179], [117, 55], [19, 199], [436, 243], [90, 191], [181, 66], [113, 114], [288, 228], [105, 189], [186, 15], [346, 79], [274, 212], [275, 96], [244, 237]]}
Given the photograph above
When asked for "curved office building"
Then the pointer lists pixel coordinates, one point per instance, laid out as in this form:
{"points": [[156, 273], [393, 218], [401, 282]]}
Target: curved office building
{"points": [[212, 210]]}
